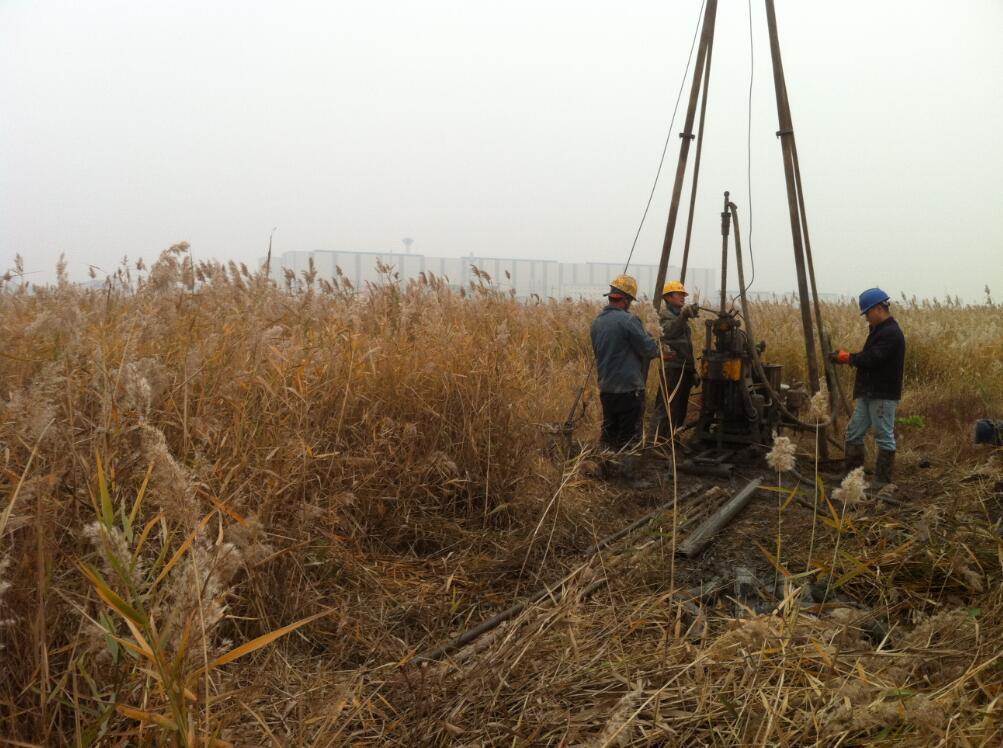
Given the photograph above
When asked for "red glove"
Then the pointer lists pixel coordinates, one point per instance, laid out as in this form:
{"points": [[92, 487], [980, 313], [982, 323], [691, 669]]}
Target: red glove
{"points": [[843, 357]]}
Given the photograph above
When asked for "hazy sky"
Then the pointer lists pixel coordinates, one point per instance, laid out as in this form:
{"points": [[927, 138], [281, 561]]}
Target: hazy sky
{"points": [[522, 129]]}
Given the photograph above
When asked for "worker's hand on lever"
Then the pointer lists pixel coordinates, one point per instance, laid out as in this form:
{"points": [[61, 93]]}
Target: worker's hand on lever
{"points": [[839, 357], [691, 310]]}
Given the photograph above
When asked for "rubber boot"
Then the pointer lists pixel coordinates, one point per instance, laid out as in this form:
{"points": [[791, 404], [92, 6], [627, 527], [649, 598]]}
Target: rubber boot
{"points": [[883, 467], [853, 456]]}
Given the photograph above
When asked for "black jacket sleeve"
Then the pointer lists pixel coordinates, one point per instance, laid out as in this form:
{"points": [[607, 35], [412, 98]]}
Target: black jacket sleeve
{"points": [[881, 350], [883, 346]]}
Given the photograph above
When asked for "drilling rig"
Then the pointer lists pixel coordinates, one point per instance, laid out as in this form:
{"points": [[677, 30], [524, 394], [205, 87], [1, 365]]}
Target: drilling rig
{"points": [[744, 400]]}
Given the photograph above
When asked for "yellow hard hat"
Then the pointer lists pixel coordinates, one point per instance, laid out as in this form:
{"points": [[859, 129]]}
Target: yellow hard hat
{"points": [[625, 284], [675, 287]]}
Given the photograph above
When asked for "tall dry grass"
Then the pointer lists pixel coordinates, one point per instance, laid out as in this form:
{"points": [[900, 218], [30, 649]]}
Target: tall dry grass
{"points": [[228, 501]]}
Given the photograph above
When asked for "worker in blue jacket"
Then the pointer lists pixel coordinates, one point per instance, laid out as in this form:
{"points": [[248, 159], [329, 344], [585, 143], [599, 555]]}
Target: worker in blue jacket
{"points": [[623, 349], [878, 385]]}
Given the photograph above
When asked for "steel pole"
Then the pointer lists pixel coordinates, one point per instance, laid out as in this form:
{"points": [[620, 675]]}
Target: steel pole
{"points": [[831, 380], [786, 135], [696, 162], [684, 147]]}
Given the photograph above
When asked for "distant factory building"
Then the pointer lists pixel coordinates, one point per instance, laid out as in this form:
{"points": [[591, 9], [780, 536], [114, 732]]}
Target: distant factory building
{"points": [[542, 278]]}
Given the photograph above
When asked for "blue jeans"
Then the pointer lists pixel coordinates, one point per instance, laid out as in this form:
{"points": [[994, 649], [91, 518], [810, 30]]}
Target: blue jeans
{"points": [[876, 414]]}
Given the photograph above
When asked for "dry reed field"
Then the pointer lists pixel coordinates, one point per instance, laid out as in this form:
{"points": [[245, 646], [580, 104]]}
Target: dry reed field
{"points": [[235, 511]]}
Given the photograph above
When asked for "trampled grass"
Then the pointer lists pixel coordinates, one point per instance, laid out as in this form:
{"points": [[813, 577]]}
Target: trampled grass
{"points": [[232, 510]]}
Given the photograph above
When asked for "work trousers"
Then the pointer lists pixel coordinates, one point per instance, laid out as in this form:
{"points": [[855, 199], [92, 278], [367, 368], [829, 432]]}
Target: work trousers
{"points": [[622, 416], [877, 414], [678, 403]]}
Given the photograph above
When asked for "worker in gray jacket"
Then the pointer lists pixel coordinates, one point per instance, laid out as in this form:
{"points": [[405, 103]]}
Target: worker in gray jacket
{"points": [[623, 349], [677, 355]]}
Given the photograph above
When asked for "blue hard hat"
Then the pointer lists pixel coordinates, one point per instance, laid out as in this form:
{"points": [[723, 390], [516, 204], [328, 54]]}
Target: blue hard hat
{"points": [[871, 298]]}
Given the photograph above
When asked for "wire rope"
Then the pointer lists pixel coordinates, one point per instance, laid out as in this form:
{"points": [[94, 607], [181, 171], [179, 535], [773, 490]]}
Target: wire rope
{"points": [[668, 137], [571, 420]]}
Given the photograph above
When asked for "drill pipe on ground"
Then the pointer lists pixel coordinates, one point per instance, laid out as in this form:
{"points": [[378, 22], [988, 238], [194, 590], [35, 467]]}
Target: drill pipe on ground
{"points": [[699, 539]]}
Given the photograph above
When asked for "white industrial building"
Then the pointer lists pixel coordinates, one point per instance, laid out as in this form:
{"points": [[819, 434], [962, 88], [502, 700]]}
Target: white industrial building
{"points": [[542, 278]]}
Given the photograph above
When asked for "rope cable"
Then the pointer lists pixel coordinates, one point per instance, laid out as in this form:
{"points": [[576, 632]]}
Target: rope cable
{"points": [[668, 137], [571, 420]]}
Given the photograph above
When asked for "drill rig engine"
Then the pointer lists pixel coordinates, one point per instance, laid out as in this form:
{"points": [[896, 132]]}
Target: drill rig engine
{"points": [[737, 407]]}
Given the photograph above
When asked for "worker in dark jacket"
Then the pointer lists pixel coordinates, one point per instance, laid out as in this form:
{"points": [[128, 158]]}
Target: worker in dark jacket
{"points": [[878, 385], [679, 363], [622, 349]]}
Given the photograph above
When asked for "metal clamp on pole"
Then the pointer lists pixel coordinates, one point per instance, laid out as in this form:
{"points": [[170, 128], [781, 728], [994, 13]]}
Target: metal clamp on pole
{"points": [[784, 132], [687, 135]]}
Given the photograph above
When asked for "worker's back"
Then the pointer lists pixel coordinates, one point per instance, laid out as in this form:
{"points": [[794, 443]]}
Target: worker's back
{"points": [[622, 349]]}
